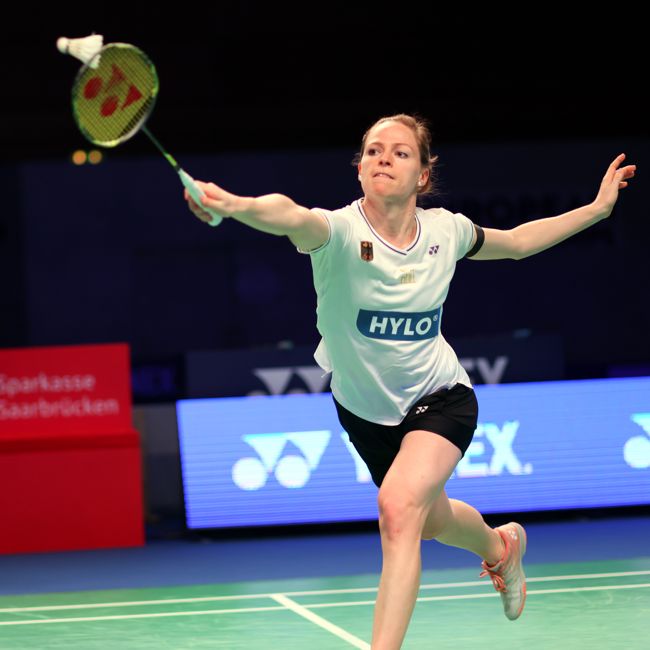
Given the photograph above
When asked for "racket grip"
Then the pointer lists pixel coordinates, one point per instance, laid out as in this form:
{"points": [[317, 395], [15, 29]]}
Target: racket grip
{"points": [[196, 193]]}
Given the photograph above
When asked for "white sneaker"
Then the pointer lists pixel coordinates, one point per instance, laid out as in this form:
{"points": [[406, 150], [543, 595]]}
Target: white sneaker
{"points": [[508, 574]]}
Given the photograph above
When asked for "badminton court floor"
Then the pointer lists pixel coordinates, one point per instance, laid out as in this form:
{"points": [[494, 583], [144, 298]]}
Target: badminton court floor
{"points": [[596, 605]]}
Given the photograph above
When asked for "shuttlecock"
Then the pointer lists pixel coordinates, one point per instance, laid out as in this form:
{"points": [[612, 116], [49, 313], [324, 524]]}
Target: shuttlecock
{"points": [[83, 49]]}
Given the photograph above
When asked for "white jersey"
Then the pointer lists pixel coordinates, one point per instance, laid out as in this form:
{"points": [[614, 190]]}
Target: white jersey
{"points": [[380, 311]]}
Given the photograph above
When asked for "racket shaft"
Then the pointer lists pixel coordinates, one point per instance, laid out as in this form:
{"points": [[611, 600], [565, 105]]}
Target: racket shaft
{"points": [[193, 189], [160, 148]]}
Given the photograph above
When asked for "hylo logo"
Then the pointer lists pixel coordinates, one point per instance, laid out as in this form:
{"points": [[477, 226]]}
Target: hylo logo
{"points": [[399, 326]]}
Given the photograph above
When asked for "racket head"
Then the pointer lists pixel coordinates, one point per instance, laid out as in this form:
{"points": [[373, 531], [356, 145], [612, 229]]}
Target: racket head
{"points": [[114, 94]]}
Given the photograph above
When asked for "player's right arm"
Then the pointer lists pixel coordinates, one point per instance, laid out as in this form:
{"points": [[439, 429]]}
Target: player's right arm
{"points": [[273, 213]]}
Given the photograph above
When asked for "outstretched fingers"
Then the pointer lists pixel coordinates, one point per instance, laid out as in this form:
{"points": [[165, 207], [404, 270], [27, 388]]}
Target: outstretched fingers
{"points": [[623, 174], [618, 174]]}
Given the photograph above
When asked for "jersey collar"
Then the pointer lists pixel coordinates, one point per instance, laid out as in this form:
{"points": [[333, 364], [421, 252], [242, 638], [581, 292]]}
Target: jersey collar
{"points": [[404, 251]]}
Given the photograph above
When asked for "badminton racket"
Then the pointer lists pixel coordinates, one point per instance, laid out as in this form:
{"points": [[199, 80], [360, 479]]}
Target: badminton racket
{"points": [[113, 95]]}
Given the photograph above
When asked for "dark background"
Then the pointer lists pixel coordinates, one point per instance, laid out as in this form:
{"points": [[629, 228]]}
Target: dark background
{"points": [[527, 106], [254, 75]]}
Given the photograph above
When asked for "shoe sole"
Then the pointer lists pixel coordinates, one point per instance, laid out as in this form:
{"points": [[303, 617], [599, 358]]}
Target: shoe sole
{"points": [[523, 544]]}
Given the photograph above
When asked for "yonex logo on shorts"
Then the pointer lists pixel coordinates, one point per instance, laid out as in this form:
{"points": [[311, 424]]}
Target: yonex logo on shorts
{"points": [[399, 325], [421, 409]]}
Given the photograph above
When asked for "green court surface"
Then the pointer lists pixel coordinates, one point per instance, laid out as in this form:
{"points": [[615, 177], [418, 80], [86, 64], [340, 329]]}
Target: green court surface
{"points": [[581, 605]]}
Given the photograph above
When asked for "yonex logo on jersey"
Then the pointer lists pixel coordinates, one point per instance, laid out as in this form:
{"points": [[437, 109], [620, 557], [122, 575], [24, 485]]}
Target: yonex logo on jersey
{"points": [[399, 325], [433, 249]]}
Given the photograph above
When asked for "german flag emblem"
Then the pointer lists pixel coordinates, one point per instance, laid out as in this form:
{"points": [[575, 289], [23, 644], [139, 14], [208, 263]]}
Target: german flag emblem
{"points": [[366, 251]]}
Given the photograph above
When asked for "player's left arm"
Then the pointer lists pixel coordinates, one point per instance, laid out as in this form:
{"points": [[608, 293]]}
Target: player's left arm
{"points": [[535, 236]]}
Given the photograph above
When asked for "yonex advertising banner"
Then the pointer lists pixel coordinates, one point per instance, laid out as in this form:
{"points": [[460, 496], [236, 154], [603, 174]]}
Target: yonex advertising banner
{"points": [[285, 459], [498, 359]]}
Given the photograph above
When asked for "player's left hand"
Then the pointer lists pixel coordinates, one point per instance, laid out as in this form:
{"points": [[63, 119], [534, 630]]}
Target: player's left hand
{"points": [[615, 179]]}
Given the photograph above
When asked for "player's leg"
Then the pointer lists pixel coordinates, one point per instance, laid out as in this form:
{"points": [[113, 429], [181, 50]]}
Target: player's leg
{"points": [[413, 483], [456, 523]]}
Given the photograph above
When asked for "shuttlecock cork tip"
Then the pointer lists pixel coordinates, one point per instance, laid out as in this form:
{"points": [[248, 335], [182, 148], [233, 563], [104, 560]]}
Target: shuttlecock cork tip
{"points": [[85, 49]]}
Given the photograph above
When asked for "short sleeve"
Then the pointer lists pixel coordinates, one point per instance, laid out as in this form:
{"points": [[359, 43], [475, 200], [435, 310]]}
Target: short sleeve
{"points": [[464, 230], [339, 229]]}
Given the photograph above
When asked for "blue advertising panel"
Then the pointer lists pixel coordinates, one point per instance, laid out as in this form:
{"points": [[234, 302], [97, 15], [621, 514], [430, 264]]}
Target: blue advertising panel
{"points": [[284, 459]]}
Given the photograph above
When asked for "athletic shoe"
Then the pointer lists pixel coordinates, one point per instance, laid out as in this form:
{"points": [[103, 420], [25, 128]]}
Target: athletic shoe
{"points": [[507, 574]]}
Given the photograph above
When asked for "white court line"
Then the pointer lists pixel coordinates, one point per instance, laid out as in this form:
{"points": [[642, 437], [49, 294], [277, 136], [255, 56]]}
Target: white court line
{"points": [[492, 594], [321, 622], [538, 592], [473, 583], [319, 592], [122, 617], [133, 603], [308, 607]]}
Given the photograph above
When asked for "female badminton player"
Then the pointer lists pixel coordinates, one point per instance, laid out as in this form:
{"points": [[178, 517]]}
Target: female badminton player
{"points": [[382, 268]]}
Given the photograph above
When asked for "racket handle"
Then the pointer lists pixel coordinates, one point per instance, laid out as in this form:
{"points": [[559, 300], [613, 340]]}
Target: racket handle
{"points": [[196, 193]]}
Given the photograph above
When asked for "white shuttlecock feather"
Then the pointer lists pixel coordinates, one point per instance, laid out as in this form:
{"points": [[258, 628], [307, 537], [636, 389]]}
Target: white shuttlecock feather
{"points": [[83, 49]]}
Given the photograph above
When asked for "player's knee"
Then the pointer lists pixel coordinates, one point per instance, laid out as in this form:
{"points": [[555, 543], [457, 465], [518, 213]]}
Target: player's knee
{"points": [[398, 515]]}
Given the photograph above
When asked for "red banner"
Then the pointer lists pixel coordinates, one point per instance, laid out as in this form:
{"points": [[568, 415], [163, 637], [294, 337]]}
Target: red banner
{"points": [[70, 461], [69, 389]]}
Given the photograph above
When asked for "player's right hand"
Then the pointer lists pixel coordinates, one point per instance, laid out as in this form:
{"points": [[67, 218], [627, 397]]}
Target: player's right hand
{"points": [[216, 199]]}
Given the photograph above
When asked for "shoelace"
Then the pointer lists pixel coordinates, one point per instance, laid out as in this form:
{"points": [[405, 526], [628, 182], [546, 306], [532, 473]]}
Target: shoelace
{"points": [[497, 579]]}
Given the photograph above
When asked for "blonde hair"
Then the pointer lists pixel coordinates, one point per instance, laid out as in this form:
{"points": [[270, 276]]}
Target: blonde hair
{"points": [[422, 135]]}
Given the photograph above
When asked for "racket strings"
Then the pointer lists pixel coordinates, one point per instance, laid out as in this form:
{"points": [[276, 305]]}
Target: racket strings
{"points": [[112, 101]]}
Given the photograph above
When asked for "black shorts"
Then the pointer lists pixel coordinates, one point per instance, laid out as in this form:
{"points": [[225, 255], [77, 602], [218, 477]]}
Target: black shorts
{"points": [[450, 412]]}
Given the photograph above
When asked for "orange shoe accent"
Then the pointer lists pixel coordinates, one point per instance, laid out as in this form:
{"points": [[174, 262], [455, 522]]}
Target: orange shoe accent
{"points": [[507, 574]]}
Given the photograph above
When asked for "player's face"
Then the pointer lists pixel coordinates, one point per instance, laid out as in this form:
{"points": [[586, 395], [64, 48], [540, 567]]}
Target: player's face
{"points": [[390, 165]]}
